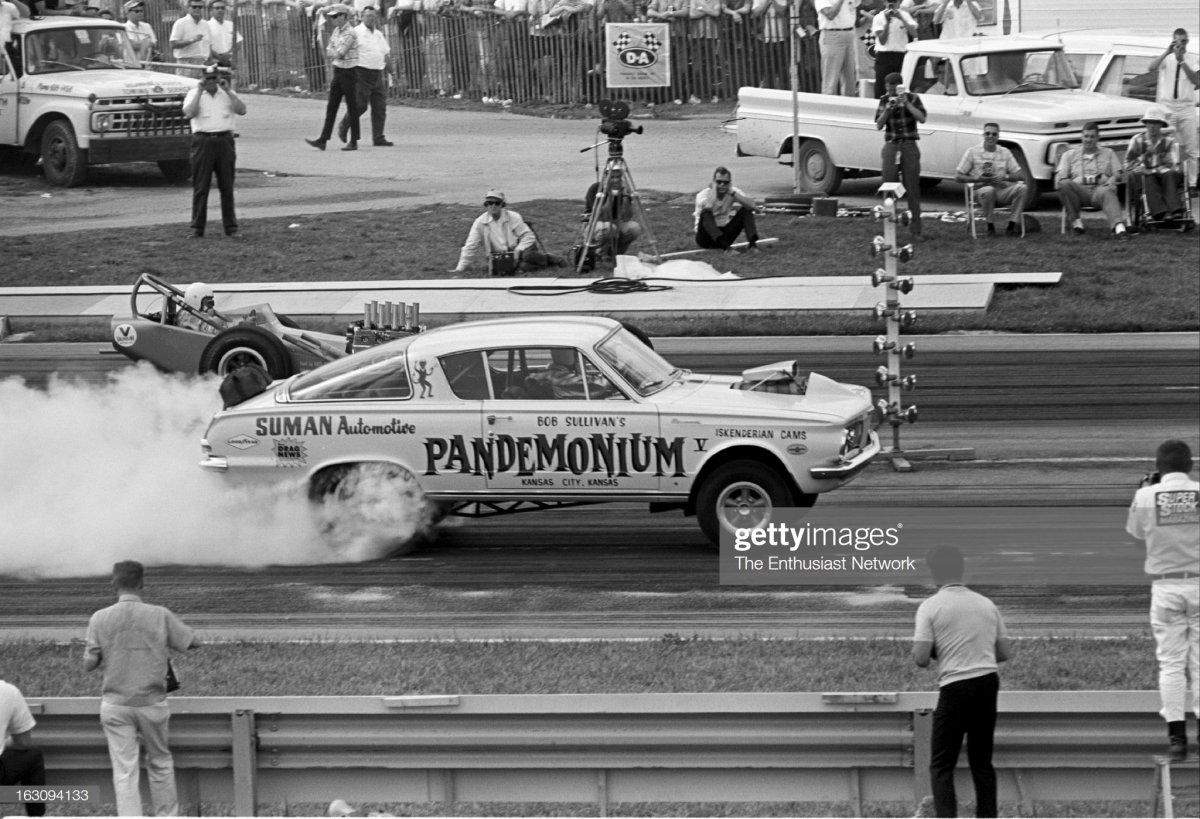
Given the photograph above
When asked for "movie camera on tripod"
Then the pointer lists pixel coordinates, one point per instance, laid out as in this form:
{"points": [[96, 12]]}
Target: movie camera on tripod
{"points": [[615, 217]]}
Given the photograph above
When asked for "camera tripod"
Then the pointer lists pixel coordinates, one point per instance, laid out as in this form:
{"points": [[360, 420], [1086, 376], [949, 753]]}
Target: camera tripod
{"points": [[609, 206]]}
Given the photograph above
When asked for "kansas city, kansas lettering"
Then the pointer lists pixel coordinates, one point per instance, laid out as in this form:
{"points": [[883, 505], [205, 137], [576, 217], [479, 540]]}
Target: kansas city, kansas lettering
{"points": [[325, 425], [600, 453]]}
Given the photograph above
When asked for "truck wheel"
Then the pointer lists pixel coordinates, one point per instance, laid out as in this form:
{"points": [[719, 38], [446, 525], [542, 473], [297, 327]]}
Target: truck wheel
{"points": [[242, 345], [740, 494], [63, 162], [369, 510], [175, 170], [817, 167], [1033, 190]]}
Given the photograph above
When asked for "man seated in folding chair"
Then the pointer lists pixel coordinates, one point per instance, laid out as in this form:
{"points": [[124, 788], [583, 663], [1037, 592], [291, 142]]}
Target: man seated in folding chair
{"points": [[1087, 177], [993, 177], [1152, 161]]}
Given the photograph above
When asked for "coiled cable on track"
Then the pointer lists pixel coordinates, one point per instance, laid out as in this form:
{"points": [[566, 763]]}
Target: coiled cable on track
{"points": [[607, 287]]}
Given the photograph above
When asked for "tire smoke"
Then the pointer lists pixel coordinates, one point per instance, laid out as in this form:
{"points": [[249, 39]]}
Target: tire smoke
{"points": [[94, 474]]}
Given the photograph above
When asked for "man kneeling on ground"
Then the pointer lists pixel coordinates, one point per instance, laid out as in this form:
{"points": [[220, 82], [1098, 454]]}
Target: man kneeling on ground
{"points": [[507, 242]]}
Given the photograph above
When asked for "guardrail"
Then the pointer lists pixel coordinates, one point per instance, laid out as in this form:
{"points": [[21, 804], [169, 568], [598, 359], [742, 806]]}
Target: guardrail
{"points": [[606, 748]]}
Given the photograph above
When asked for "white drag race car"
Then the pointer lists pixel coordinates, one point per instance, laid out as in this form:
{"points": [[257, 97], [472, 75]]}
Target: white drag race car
{"points": [[519, 414]]}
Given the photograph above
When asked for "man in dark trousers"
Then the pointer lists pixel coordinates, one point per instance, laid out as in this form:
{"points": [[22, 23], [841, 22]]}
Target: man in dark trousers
{"points": [[20, 762], [898, 115], [1165, 515], [722, 213], [964, 632], [342, 50], [212, 107]]}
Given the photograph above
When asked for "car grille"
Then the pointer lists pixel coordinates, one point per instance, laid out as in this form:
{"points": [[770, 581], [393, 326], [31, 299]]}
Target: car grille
{"points": [[144, 116]]}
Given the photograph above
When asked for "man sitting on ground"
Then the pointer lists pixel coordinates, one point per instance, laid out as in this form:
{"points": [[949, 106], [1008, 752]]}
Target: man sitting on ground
{"points": [[997, 177], [616, 208], [1087, 176], [722, 213], [507, 242]]}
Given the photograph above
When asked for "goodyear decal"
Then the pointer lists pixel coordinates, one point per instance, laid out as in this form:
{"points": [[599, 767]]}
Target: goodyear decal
{"points": [[314, 425], [597, 454]]}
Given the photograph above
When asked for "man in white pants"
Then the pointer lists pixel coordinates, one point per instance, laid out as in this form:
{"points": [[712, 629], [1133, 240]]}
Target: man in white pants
{"points": [[1177, 83], [1165, 515], [839, 70]]}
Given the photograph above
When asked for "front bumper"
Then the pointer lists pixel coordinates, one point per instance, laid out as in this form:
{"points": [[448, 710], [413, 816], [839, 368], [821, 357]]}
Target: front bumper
{"points": [[105, 149], [846, 470]]}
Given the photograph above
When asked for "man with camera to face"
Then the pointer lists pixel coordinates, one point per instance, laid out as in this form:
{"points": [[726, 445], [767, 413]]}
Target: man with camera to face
{"points": [[1165, 515], [898, 114], [211, 107], [894, 29], [1177, 84]]}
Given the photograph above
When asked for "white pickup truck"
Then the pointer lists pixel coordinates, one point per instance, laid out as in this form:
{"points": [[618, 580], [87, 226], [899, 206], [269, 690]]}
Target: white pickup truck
{"points": [[73, 93], [1025, 85]]}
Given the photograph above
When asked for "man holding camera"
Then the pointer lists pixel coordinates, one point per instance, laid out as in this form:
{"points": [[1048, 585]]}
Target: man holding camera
{"points": [[898, 114], [1177, 83], [997, 178], [1087, 175], [211, 107], [504, 237], [894, 29], [1165, 515]]}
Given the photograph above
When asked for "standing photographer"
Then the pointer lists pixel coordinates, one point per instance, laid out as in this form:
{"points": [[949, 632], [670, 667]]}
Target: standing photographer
{"points": [[1165, 515], [894, 29], [211, 107], [1177, 83], [898, 115]]}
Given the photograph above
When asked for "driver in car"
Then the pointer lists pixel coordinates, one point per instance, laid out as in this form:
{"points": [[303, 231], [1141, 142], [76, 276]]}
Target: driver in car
{"points": [[564, 380], [203, 300]]}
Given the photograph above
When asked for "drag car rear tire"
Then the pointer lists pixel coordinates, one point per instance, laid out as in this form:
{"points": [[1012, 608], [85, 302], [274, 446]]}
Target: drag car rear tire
{"points": [[371, 509], [245, 344], [741, 494]]}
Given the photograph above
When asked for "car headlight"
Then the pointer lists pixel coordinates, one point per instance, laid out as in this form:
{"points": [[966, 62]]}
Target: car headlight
{"points": [[102, 123]]}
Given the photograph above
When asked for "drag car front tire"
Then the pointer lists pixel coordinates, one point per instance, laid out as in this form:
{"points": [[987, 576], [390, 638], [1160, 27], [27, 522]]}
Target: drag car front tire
{"points": [[741, 494], [368, 510], [242, 345]]}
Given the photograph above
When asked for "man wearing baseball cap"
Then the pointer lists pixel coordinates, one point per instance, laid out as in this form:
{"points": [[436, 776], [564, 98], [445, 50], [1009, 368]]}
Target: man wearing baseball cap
{"points": [[212, 107], [505, 239], [1152, 161], [342, 50], [141, 34]]}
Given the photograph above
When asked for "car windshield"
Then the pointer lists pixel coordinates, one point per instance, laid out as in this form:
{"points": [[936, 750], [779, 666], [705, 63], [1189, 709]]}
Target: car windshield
{"points": [[1016, 72], [78, 49], [379, 372], [645, 370]]}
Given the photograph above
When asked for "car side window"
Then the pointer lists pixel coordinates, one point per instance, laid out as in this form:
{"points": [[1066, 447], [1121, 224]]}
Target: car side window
{"points": [[1083, 66], [1129, 76], [548, 374], [466, 375]]}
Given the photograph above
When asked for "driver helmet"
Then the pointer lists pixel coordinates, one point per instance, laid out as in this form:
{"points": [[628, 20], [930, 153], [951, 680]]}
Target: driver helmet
{"points": [[196, 293]]}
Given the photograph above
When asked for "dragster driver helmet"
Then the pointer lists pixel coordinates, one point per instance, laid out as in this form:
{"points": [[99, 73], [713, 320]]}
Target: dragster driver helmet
{"points": [[196, 293]]}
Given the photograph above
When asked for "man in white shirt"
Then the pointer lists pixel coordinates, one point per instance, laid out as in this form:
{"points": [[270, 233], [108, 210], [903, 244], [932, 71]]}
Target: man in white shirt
{"points": [[221, 33], [839, 70], [20, 762], [1165, 515], [894, 29], [1177, 83], [722, 213], [190, 36], [141, 34], [958, 18], [371, 76], [212, 107]]}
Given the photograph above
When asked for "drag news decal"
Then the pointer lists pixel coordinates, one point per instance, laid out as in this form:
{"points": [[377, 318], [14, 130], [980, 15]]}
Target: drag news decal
{"points": [[1174, 508], [607, 454], [290, 452]]}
